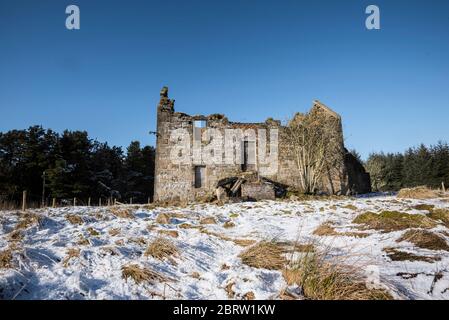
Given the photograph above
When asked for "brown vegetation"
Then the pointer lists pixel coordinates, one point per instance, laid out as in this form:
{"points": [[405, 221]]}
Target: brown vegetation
{"points": [[418, 193], [71, 253], [161, 248], [398, 255], [122, 212], [388, 221], [425, 239], [264, 254], [324, 279], [171, 233], [208, 220], [163, 218], [6, 259], [140, 275], [74, 219]]}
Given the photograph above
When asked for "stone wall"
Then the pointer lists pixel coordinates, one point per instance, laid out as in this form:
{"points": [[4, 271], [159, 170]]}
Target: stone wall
{"points": [[258, 191], [176, 181]]}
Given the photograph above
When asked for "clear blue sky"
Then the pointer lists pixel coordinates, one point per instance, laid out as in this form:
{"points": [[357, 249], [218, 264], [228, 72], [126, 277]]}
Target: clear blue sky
{"points": [[248, 59]]}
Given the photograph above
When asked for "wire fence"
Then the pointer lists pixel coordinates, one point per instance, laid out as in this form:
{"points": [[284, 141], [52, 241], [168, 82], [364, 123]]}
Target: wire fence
{"points": [[33, 201]]}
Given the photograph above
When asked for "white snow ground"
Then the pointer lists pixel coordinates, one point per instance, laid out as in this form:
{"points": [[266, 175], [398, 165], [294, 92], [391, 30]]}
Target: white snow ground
{"points": [[40, 272]]}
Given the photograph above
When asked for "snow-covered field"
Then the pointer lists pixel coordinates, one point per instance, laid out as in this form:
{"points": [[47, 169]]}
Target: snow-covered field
{"points": [[207, 265]]}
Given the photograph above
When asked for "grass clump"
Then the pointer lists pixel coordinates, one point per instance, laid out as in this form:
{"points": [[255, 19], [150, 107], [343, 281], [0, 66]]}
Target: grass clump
{"points": [[163, 218], [441, 215], [6, 259], [228, 224], [71, 253], [93, 232], [323, 279], [388, 221], [398, 255], [264, 254], [171, 233], [122, 213], [27, 220], [208, 220], [350, 207], [114, 231], [188, 226], [421, 192], [74, 219], [161, 248], [140, 275], [424, 207], [425, 240], [326, 229]]}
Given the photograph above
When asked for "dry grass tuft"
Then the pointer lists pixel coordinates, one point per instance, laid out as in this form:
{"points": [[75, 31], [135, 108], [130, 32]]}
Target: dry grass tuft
{"points": [[398, 255], [6, 259], [423, 206], [350, 207], [244, 242], [114, 231], [425, 239], [441, 215], [71, 253], [140, 275], [323, 279], [74, 219], [15, 235], [188, 226], [301, 247], [163, 218], [418, 193], [83, 241], [325, 229], [264, 254], [228, 224], [171, 233], [195, 275], [93, 232], [388, 221], [110, 250], [122, 213], [27, 220], [249, 296], [208, 220], [230, 290], [161, 248]]}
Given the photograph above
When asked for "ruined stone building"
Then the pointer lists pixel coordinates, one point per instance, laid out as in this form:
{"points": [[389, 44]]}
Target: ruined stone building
{"points": [[256, 175]]}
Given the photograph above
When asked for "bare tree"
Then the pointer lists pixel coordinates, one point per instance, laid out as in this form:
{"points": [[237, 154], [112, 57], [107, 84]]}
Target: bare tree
{"points": [[315, 144]]}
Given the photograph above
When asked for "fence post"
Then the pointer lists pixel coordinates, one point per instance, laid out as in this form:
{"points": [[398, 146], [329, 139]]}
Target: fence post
{"points": [[74, 202], [88, 202], [54, 203], [115, 201], [109, 202], [444, 188], [24, 200], [148, 200], [99, 202], [131, 200]]}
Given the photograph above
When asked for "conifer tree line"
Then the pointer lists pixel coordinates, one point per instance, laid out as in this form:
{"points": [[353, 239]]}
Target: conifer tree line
{"points": [[417, 166], [67, 165]]}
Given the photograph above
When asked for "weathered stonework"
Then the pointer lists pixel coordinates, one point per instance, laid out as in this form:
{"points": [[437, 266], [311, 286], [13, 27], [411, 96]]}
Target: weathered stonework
{"points": [[258, 191], [176, 181]]}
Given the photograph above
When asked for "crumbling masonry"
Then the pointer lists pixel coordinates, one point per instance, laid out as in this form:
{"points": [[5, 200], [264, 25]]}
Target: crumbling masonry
{"points": [[194, 181]]}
